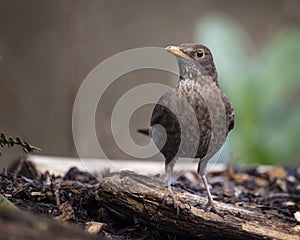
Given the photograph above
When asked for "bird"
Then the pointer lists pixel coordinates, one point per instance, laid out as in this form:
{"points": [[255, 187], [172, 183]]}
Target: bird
{"points": [[192, 119]]}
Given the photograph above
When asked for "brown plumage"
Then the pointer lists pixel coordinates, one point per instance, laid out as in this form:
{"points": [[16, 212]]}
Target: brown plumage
{"points": [[193, 119]]}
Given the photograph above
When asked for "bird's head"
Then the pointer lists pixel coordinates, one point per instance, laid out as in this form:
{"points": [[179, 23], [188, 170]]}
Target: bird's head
{"points": [[194, 60]]}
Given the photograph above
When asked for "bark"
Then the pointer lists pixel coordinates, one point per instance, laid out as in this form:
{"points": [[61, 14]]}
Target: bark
{"points": [[129, 195]]}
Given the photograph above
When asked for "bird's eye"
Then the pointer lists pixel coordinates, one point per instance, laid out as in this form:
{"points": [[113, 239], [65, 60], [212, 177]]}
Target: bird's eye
{"points": [[200, 53]]}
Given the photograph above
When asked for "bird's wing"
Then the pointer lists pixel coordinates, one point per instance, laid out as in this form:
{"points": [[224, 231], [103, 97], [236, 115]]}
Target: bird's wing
{"points": [[229, 112], [162, 107]]}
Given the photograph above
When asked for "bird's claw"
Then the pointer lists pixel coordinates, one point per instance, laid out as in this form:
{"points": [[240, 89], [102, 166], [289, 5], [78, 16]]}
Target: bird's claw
{"points": [[169, 193], [210, 207]]}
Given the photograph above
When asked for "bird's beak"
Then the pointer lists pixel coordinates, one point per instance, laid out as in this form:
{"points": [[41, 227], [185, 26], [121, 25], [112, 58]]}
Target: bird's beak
{"points": [[176, 51]]}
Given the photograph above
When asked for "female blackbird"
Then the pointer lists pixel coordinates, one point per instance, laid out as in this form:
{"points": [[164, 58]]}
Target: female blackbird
{"points": [[193, 119]]}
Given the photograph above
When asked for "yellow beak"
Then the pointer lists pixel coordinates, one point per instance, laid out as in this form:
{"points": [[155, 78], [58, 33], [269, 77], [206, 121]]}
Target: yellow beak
{"points": [[176, 51]]}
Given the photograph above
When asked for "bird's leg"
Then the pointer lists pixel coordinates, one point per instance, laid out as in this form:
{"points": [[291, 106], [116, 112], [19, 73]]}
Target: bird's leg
{"points": [[169, 170], [210, 205]]}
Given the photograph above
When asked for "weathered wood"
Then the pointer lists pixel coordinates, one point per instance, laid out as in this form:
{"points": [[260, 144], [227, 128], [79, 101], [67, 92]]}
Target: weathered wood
{"points": [[130, 195]]}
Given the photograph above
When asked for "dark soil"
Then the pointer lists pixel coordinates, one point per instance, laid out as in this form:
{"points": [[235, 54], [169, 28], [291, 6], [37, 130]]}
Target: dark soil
{"points": [[71, 198]]}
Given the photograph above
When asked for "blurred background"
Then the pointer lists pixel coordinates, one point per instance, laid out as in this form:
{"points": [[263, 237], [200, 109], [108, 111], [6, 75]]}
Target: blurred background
{"points": [[48, 47]]}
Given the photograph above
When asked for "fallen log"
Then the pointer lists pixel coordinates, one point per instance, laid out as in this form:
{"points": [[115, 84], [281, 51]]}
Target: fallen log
{"points": [[129, 195]]}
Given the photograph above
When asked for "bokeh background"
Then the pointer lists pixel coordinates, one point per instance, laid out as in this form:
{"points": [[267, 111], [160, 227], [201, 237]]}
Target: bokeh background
{"points": [[48, 47]]}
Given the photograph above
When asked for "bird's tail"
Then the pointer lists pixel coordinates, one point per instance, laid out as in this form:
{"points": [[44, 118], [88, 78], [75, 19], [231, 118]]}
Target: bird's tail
{"points": [[145, 131]]}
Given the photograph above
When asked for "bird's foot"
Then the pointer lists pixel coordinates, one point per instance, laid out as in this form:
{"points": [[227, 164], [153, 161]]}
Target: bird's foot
{"points": [[170, 193], [210, 207]]}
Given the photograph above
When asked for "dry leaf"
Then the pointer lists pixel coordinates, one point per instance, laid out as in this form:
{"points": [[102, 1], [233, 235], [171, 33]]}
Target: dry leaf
{"points": [[228, 188], [93, 227], [67, 212], [282, 185], [262, 182], [277, 172], [237, 177], [297, 216]]}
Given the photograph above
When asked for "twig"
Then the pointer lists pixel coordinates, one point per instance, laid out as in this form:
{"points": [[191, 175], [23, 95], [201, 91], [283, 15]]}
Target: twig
{"points": [[56, 186], [10, 142]]}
